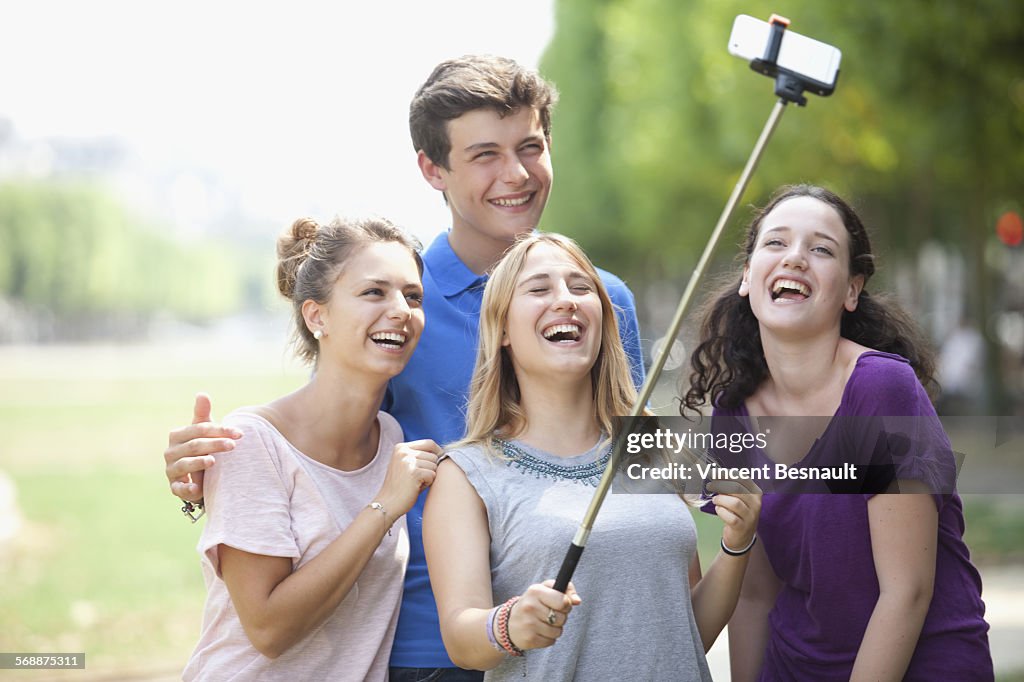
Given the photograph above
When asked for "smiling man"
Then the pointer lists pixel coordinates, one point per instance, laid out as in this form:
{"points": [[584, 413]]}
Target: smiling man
{"points": [[481, 128]]}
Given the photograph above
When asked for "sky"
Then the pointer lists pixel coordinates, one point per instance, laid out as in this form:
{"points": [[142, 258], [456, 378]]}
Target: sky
{"points": [[299, 109]]}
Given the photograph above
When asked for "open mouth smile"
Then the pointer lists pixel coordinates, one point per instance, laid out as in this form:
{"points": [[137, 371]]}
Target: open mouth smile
{"points": [[563, 333], [789, 290], [513, 202], [389, 340]]}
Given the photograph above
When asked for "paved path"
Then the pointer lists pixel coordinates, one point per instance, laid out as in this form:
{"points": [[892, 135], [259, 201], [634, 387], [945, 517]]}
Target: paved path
{"points": [[1004, 600], [1004, 604]]}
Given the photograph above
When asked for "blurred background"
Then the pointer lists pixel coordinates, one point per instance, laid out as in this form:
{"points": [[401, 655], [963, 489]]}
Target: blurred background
{"points": [[150, 154]]}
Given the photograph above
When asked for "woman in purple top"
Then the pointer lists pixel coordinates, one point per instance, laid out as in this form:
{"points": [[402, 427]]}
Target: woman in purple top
{"points": [[842, 586]]}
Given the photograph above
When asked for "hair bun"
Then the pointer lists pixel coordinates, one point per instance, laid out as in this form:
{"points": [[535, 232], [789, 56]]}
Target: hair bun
{"points": [[304, 229], [292, 249]]}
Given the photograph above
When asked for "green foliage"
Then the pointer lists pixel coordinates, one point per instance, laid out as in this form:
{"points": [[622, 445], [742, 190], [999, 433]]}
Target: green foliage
{"points": [[656, 120], [73, 250]]}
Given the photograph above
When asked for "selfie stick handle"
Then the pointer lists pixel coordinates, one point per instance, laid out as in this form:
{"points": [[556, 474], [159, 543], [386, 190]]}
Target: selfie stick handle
{"points": [[579, 542]]}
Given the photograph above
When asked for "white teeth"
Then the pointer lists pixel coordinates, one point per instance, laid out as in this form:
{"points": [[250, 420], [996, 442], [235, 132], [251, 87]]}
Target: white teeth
{"points": [[389, 337], [781, 284], [572, 329], [509, 203]]}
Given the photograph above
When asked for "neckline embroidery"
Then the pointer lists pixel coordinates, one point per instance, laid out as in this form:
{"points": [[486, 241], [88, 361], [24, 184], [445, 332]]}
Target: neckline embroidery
{"points": [[526, 463]]}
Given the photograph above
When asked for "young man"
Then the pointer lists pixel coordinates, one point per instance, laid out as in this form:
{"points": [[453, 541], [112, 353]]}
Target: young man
{"points": [[481, 127]]}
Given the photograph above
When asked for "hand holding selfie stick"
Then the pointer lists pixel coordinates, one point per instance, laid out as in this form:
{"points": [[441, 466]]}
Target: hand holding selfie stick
{"points": [[790, 85]]}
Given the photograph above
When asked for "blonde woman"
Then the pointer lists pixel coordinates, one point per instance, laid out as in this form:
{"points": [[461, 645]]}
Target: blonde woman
{"points": [[550, 377]]}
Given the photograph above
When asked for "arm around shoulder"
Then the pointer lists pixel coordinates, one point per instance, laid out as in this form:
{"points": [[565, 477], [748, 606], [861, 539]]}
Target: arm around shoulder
{"points": [[190, 450]]}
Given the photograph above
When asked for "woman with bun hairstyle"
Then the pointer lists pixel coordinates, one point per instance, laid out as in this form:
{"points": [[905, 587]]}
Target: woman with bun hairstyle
{"points": [[305, 547], [550, 378], [847, 586]]}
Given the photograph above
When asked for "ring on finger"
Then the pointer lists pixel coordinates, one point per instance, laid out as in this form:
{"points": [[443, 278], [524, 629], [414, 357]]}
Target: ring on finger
{"points": [[551, 616]]}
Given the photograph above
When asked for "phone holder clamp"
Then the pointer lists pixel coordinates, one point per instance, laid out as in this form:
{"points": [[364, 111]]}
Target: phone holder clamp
{"points": [[789, 86]]}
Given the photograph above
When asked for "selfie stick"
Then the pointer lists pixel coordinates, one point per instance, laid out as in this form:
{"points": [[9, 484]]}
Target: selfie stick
{"points": [[789, 87]]}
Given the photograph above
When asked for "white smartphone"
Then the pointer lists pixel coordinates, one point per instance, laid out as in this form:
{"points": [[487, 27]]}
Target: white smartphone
{"points": [[798, 54]]}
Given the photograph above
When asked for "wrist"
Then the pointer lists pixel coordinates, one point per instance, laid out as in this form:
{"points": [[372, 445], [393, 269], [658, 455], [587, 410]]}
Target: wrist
{"points": [[489, 624], [502, 626], [378, 507], [739, 552]]}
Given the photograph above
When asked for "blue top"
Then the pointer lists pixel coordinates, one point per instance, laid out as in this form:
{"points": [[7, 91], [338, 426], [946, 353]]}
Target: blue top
{"points": [[429, 400]]}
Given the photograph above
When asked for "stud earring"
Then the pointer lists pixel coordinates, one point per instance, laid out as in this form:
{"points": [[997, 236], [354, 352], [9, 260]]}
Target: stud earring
{"points": [[318, 334]]}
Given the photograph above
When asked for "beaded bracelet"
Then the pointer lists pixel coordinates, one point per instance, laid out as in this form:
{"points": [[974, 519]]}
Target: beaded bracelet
{"points": [[490, 629], [739, 552], [504, 613]]}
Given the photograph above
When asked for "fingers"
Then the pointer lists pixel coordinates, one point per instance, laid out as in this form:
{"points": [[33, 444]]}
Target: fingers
{"points": [[739, 514], [413, 468], [202, 408], [180, 469], [570, 592], [190, 453], [420, 458], [186, 477], [190, 492], [744, 507], [733, 486], [574, 597], [425, 445], [728, 517], [204, 430], [540, 614], [426, 469]]}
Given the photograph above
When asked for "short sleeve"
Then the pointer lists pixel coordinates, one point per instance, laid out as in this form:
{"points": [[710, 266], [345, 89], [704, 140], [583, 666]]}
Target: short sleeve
{"points": [[896, 423], [629, 327], [469, 460], [248, 495]]}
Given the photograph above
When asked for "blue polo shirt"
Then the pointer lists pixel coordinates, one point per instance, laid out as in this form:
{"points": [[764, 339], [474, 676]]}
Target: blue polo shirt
{"points": [[429, 400]]}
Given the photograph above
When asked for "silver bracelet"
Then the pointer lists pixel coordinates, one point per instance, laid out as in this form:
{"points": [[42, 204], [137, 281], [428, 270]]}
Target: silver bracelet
{"points": [[380, 507]]}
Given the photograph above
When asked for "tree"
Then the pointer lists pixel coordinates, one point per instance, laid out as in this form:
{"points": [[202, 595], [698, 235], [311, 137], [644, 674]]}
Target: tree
{"points": [[72, 251], [925, 130]]}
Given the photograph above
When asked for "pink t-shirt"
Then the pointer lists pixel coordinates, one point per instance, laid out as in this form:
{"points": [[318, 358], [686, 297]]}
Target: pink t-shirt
{"points": [[266, 497]]}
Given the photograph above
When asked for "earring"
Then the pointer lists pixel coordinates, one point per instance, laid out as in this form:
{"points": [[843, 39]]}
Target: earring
{"points": [[318, 334]]}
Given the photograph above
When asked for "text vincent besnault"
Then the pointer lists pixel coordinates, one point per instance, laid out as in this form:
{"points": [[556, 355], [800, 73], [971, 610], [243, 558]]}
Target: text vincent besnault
{"points": [[715, 472]]}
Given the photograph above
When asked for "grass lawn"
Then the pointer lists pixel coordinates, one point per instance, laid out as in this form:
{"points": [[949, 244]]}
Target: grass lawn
{"points": [[105, 563]]}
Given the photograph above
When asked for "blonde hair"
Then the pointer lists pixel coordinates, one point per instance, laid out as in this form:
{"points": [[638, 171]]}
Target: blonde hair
{"points": [[494, 397]]}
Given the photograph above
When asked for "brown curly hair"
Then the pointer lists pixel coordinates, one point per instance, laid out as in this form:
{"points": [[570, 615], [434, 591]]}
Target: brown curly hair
{"points": [[728, 364]]}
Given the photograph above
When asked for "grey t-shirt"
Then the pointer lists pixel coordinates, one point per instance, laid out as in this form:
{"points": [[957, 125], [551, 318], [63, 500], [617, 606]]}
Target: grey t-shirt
{"points": [[636, 620]]}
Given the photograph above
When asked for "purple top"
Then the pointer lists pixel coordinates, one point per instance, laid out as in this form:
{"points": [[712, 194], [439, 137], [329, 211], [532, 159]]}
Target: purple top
{"points": [[820, 548]]}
